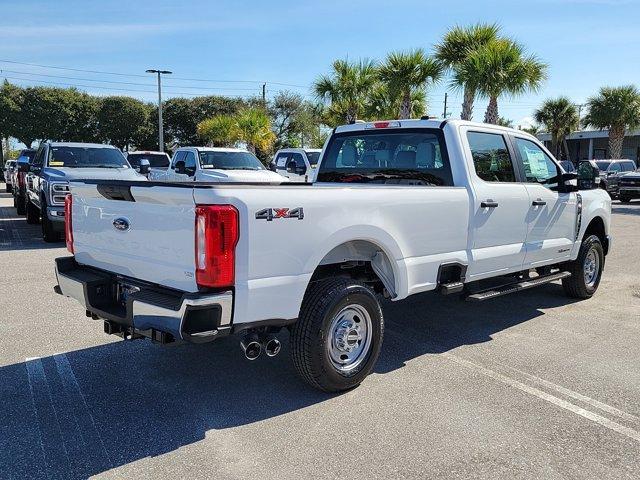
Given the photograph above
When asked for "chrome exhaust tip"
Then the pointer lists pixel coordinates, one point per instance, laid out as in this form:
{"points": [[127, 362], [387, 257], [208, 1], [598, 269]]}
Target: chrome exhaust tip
{"points": [[251, 347], [272, 346]]}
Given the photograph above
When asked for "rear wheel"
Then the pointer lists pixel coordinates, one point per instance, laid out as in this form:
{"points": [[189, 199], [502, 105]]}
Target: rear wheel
{"points": [[337, 339], [7, 188], [33, 214], [586, 270], [625, 199]]}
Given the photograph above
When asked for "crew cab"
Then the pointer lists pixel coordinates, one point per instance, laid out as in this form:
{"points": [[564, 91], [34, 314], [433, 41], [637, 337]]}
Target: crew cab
{"points": [[629, 186], [398, 208], [213, 164], [18, 179], [297, 164], [6, 174], [54, 165], [611, 171], [154, 160]]}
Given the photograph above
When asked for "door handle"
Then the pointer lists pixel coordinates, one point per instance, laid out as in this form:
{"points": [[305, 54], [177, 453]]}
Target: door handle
{"points": [[489, 204], [538, 203]]}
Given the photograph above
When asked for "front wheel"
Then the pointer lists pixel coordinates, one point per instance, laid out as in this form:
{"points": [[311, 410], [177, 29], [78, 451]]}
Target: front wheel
{"points": [[33, 214], [625, 199], [337, 338], [49, 234], [7, 188], [586, 270], [21, 205]]}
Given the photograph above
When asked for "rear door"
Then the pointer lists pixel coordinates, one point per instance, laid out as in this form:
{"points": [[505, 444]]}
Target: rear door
{"points": [[551, 219], [500, 204], [152, 239]]}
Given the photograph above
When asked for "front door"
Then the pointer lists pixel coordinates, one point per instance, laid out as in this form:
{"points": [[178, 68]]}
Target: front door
{"points": [[551, 220], [500, 205]]}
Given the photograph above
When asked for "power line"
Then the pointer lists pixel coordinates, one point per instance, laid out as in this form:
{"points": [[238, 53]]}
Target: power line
{"points": [[101, 72], [122, 83]]}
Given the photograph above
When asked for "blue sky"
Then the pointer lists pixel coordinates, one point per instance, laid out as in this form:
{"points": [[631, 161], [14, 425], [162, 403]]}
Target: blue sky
{"points": [[587, 43]]}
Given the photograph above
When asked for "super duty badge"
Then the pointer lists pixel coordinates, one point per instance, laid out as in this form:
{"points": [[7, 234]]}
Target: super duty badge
{"points": [[269, 214]]}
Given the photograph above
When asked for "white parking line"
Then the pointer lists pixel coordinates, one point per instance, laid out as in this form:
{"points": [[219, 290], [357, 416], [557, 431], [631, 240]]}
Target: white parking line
{"points": [[566, 405]]}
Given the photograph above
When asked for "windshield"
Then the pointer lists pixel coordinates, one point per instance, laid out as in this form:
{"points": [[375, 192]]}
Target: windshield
{"points": [[86, 157], [603, 165], [567, 166], [156, 160], [313, 158], [230, 161], [28, 154]]}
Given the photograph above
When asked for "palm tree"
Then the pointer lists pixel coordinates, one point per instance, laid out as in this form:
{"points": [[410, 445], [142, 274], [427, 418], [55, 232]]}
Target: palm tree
{"points": [[254, 129], [616, 109], [383, 104], [559, 117], [501, 67], [220, 131], [347, 88], [405, 72], [455, 47]]}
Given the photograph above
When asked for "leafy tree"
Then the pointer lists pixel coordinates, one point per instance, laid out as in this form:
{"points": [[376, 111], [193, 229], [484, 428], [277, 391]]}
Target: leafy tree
{"points": [[615, 109], [384, 104], [559, 117], [293, 119], [182, 115], [250, 126], [504, 122], [220, 131], [532, 129], [347, 89], [454, 49], [406, 72], [119, 118], [500, 67], [9, 109]]}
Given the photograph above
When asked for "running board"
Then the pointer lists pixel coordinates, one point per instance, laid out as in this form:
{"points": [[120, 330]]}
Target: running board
{"points": [[516, 287]]}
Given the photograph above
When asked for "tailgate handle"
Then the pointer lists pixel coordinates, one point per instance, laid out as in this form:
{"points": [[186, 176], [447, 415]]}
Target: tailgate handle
{"points": [[116, 192], [489, 204]]}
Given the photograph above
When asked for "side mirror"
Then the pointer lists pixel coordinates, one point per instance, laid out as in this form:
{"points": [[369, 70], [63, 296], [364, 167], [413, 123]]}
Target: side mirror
{"points": [[180, 168], [301, 170], [568, 182], [23, 167], [144, 167], [588, 175], [291, 167], [611, 173], [191, 171]]}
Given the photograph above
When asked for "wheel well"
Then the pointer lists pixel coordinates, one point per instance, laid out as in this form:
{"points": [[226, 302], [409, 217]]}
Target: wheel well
{"points": [[361, 260], [596, 227]]}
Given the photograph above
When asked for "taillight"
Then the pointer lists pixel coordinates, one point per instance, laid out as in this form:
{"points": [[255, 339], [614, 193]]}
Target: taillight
{"points": [[216, 239], [68, 227]]}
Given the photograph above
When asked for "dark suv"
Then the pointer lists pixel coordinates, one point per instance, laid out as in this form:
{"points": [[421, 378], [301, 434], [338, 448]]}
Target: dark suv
{"points": [[611, 171]]}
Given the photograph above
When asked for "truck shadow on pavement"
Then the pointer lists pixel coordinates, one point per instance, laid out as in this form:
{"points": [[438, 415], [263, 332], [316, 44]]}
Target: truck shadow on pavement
{"points": [[84, 412], [17, 234], [626, 209]]}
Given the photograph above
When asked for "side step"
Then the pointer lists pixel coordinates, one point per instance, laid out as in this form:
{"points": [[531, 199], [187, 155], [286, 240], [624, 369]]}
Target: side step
{"points": [[516, 287]]}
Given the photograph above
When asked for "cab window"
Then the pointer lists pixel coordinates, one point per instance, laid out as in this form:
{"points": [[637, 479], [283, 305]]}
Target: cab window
{"points": [[491, 157], [179, 156], [537, 166]]}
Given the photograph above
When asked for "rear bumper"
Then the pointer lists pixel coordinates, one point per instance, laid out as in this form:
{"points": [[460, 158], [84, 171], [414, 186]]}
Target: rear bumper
{"points": [[151, 311]]}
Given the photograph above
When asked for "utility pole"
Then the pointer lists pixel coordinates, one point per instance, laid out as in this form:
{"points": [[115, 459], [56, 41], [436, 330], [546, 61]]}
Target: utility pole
{"points": [[444, 113], [160, 129], [264, 94], [579, 105]]}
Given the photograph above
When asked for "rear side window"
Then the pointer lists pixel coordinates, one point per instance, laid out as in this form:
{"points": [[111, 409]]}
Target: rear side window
{"points": [[491, 157], [281, 160], [313, 158], [403, 157]]}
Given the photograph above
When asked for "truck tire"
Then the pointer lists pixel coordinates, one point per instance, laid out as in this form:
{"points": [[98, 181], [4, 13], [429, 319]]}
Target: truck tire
{"points": [[625, 199], [21, 205], [337, 338], [7, 188], [33, 214], [586, 270], [49, 235]]}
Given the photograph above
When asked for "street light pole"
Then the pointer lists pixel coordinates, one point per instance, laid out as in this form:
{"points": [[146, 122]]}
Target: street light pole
{"points": [[160, 129]]}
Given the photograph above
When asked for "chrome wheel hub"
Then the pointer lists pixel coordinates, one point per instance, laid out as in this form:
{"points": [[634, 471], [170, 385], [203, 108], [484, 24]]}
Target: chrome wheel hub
{"points": [[349, 337], [591, 267]]}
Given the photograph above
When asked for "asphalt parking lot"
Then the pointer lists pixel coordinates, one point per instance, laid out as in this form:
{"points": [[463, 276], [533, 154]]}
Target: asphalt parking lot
{"points": [[532, 385]]}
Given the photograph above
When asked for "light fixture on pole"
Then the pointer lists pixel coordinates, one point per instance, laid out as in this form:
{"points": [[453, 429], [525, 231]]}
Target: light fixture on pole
{"points": [[160, 131]]}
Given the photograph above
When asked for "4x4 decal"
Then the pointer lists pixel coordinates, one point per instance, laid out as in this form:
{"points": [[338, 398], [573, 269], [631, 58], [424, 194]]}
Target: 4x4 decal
{"points": [[269, 214]]}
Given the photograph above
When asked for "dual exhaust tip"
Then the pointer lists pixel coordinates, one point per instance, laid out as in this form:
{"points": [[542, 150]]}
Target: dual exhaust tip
{"points": [[253, 346]]}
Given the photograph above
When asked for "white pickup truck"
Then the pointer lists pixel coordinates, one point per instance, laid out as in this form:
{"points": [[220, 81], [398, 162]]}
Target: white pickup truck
{"points": [[398, 208], [214, 164]]}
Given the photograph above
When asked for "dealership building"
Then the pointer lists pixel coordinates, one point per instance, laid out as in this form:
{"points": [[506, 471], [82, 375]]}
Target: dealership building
{"points": [[594, 144]]}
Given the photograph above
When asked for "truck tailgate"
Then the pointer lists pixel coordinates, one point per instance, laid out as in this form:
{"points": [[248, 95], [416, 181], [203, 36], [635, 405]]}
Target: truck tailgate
{"points": [[144, 232]]}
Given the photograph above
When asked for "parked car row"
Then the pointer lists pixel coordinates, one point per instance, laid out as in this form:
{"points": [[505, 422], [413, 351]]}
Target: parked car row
{"points": [[39, 179]]}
